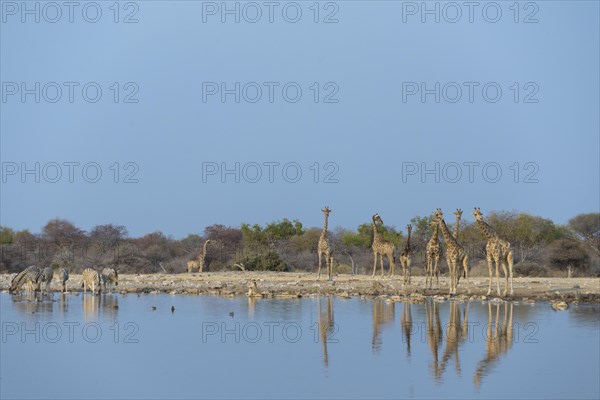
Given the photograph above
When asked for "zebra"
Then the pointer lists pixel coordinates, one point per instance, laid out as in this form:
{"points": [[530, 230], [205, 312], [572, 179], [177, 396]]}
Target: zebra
{"points": [[46, 277], [90, 278], [110, 275], [30, 276], [63, 275]]}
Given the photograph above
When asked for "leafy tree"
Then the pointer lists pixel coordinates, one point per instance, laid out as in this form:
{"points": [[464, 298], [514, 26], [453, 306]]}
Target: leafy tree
{"points": [[587, 229], [566, 253], [526, 233], [192, 243], [108, 236], [7, 235], [308, 241], [61, 232]]}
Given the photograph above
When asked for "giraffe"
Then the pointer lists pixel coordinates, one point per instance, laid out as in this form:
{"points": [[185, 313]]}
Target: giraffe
{"points": [[198, 263], [324, 248], [433, 255], [458, 214], [455, 254], [405, 257], [498, 251], [381, 247]]}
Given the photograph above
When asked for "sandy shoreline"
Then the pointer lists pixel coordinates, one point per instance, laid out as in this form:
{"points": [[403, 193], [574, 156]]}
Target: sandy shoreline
{"points": [[294, 284]]}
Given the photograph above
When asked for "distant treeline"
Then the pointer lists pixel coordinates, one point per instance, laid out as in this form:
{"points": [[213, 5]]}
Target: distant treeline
{"points": [[541, 247]]}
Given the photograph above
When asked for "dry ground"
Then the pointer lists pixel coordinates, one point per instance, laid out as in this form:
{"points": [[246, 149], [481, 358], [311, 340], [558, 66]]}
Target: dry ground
{"points": [[293, 284]]}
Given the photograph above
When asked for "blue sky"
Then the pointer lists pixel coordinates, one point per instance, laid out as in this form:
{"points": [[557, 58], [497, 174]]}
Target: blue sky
{"points": [[367, 61]]}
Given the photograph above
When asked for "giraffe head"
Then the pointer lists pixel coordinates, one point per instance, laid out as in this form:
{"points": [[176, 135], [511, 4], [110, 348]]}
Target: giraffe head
{"points": [[409, 228], [439, 215], [326, 210], [458, 213], [477, 214], [377, 218]]}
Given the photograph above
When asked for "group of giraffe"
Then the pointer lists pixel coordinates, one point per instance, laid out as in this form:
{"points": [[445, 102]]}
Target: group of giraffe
{"points": [[498, 252]]}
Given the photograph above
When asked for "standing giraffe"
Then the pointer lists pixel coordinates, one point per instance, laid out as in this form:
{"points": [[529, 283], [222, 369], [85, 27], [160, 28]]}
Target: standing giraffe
{"points": [[202, 255], [458, 214], [382, 247], [498, 251], [199, 263], [433, 255], [405, 257], [455, 254], [324, 249]]}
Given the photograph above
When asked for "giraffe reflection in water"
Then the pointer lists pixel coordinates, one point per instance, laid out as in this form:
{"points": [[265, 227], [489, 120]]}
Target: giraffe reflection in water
{"points": [[498, 339], [455, 333], [383, 314], [326, 326], [407, 326]]}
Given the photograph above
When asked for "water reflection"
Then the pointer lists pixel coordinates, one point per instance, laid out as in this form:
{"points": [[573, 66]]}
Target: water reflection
{"points": [[498, 339], [383, 314], [407, 326], [90, 306], [459, 346], [32, 302], [433, 331], [109, 305], [456, 335], [326, 326]]}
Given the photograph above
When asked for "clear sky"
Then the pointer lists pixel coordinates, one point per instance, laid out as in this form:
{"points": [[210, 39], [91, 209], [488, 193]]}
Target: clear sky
{"points": [[370, 130]]}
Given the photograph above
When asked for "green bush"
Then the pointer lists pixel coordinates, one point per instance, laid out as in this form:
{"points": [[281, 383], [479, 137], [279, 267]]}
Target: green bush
{"points": [[270, 261]]}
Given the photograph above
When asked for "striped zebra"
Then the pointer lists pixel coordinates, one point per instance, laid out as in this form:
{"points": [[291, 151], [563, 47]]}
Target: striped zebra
{"points": [[63, 275], [110, 276], [29, 276], [46, 277], [90, 279]]}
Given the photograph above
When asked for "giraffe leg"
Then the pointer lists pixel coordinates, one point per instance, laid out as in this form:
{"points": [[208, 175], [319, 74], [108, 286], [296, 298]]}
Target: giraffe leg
{"points": [[429, 270], [510, 270], [330, 267], [466, 268], [454, 275], [497, 261], [381, 263], [374, 263], [503, 263], [436, 270], [491, 274], [392, 264], [408, 262], [319, 270]]}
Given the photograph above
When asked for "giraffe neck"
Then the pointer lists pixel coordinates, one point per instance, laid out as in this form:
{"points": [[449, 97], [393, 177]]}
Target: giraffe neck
{"points": [[376, 236], [446, 233], [324, 233], [456, 227], [436, 231], [487, 230], [408, 241], [204, 249]]}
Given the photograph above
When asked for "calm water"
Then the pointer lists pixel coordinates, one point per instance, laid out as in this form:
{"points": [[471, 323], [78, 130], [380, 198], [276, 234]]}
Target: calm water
{"points": [[114, 346]]}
